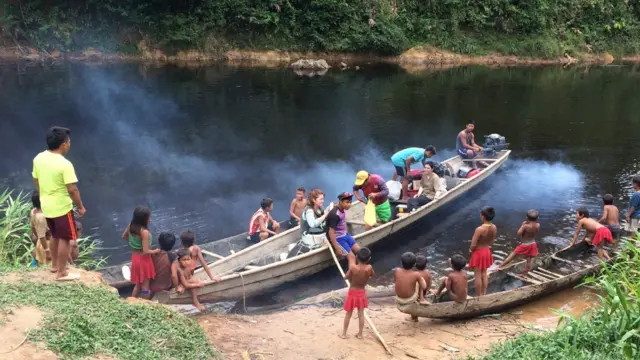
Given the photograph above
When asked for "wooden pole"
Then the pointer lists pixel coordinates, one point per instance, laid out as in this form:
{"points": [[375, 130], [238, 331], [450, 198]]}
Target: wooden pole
{"points": [[366, 311]]}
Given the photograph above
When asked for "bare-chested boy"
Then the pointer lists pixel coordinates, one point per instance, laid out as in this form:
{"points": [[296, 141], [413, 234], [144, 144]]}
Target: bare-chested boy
{"points": [[297, 206], [528, 246], [421, 266], [481, 258], [409, 284], [595, 233], [185, 277], [611, 216], [456, 281], [358, 275]]}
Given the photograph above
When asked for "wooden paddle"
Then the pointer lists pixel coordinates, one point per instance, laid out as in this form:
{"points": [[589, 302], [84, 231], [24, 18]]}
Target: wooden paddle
{"points": [[366, 311]]}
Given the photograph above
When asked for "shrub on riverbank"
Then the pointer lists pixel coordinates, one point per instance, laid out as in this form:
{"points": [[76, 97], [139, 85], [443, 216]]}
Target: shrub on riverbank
{"points": [[386, 27], [15, 235], [611, 331]]}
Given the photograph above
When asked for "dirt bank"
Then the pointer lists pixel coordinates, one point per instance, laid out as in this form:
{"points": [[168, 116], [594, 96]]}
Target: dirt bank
{"points": [[413, 60]]}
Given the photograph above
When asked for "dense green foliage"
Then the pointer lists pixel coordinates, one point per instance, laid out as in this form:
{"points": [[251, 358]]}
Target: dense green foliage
{"points": [[81, 322], [532, 27], [612, 331], [15, 235]]}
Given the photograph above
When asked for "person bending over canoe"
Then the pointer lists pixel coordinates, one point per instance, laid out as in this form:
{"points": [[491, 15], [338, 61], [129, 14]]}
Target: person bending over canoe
{"points": [[430, 188], [374, 189], [402, 161], [342, 242], [466, 144], [595, 233], [528, 246], [409, 284], [262, 226], [481, 258], [456, 281]]}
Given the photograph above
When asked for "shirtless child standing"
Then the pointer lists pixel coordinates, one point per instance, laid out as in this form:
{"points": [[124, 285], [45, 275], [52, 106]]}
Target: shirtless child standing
{"points": [[421, 266], [611, 216], [595, 233], [358, 275], [528, 246], [456, 281], [409, 284], [481, 258], [297, 206]]}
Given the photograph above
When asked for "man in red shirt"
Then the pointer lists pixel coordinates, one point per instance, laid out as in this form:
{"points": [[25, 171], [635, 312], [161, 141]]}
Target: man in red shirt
{"points": [[375, 189]]}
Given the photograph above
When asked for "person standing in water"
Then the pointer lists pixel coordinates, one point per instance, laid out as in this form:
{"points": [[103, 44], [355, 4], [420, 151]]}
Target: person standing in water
{"points": [[465, 142], [55, 180], [402, 161], [481, 258]]}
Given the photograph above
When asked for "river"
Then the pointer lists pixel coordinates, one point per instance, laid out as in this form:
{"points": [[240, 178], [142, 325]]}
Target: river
{"points": [[202, 146]]}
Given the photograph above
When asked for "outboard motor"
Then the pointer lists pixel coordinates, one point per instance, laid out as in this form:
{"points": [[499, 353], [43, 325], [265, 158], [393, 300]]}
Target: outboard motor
{"points": [[494, 143]]}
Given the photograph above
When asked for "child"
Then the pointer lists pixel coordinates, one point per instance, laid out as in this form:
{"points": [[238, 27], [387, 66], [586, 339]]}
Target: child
{"points": [[297, 205], [75, 251], [185, 278], [456, 281], [633, 216], [262, 225], [139, 238], [595, 233], [611, 216], [481, 258], [358, 275], [421, 266], [409, 284], [39, 232], [188, 240], [166, 274], [528, 246]]}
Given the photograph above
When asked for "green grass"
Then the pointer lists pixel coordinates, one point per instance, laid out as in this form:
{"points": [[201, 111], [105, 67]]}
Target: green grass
{"points": [[82, 321], [611, 331]]}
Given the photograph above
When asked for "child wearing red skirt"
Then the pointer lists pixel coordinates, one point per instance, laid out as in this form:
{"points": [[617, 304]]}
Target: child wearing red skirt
{"points": [[139, 238], [528, 247], [481, 258], [358, 274]]}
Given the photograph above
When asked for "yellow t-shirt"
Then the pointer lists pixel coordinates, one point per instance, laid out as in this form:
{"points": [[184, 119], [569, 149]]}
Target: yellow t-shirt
{"points": [[53, 173]]}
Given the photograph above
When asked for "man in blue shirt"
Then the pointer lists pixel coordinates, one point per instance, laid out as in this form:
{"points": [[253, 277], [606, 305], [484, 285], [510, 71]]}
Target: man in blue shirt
{"points": [[402, 161], [633, 216]]}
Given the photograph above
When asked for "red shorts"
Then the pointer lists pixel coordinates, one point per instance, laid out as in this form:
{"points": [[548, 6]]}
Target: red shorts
{"points": [[527, 250], [481, 259], [141, 268], [601, 235], [63, 227], [356, 299]]}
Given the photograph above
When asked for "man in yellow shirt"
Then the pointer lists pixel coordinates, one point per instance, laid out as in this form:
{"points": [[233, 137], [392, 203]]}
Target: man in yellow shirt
{"points": [[55, 180]]}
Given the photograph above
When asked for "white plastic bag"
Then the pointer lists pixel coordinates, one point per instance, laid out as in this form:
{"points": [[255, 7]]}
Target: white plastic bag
{"points": [[395, 188]]}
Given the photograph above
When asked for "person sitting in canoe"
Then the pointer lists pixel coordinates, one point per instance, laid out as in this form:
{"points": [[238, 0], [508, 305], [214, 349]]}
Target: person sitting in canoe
{"points": [[409, 284], [595, 233], [466, 145], [312, 219], [340, 239], [430, 188], [374, 189], [528, 247], [456, 281], [262, 226], [297, 205], [402, 161]]}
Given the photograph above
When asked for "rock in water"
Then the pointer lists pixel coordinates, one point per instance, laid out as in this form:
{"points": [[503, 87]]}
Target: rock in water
{"points": [[307, 64]]}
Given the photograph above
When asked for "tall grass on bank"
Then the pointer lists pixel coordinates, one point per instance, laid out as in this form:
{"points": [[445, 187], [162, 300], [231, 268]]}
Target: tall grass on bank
{"points": [[15, 234], [610, 331]]}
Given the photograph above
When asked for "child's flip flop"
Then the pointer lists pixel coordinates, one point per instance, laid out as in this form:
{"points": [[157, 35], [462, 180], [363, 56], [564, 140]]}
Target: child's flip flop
{"points": [[126, 272], [69, 277]]}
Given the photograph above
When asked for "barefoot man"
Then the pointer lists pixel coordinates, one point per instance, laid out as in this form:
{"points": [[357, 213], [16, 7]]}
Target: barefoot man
{"points": [[466, 142], [595, 233], [55, 179], [402, 161]]}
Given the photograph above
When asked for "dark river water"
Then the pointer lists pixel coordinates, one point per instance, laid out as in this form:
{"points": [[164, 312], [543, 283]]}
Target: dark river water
{"points": [[202, 146]]}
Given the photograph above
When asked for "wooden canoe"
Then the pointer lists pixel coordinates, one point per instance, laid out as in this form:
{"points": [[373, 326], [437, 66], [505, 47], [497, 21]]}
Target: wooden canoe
{"points": [[269, 271], [510, 287], [223, 247]]}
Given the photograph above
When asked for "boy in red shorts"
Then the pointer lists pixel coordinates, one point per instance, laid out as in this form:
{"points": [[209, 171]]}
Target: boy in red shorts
{"points": [[595, 233], [358, 274], [481, 258], [528, 246]]}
